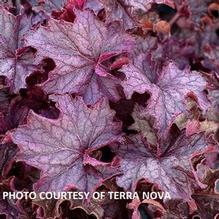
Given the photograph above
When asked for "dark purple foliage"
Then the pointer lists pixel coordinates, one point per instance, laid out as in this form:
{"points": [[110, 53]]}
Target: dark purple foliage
{"points": [[110, 95]]}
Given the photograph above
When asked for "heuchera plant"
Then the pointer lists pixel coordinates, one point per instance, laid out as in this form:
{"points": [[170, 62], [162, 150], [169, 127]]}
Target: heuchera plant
{"points": [[110, 95]]}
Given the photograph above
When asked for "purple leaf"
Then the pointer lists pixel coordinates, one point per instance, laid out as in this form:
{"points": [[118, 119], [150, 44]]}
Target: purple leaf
{"points": [[16, 62], [119, 11], [53, 5], [169, 167], [95, 5], [61, 147], [77, 50], [7, 3], [168, 89], [47, 6], [127, 12]]}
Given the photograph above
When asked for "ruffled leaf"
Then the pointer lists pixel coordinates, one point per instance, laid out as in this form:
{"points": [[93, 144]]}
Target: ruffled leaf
{"points": [[79, 51], [168, 89], [169, 167], [61, 147], [16, 62]]}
